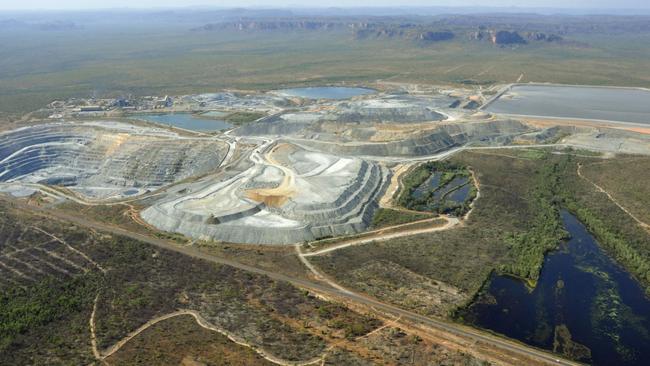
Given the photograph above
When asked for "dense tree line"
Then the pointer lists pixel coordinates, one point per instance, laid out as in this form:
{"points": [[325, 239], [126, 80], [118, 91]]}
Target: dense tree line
{"points": [[555, 189], [527, 249]]}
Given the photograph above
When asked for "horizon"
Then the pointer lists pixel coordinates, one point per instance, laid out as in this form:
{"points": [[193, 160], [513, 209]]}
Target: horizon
{"points": [[76, 5]]}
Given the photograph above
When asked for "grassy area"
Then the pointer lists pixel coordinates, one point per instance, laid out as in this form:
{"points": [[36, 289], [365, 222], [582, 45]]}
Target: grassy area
{"points": [[385, 217], [155, 59], [626, 180], [44, 319], [514, 224], [180, 341], [461, 258], [323, 243], [240, 118], [622, 237]]}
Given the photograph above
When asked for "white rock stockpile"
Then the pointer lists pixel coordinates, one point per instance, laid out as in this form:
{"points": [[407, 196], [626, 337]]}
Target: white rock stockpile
{"points": [[288, 196]]}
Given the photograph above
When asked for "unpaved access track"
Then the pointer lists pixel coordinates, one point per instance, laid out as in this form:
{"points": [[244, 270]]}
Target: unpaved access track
{"points": [[513, 353], [451, 222], [204, 324], [600, 189]]}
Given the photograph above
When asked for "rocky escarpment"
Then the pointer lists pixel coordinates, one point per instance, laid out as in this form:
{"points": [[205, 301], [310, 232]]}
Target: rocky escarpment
{"points": [[420, 33], [278, 25]]}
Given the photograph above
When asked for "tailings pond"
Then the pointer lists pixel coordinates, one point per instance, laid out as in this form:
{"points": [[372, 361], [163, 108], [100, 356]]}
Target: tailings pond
{"points": [[327, 92], [584, 306], [186, 121], [600, 103]]}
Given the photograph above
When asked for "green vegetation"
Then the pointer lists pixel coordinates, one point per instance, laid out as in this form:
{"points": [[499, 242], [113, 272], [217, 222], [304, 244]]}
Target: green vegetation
{"points": [[545, 232], [450, 177], [557, 185], [181, 340], [46, 322], [412, 181], [154, 58], [632, 254], [563, 344], [626, 179], [385, 217], [240, 118], [336, 317], [514, 224], [462, 257], [621, 236], [33, 308], [533, 154]]}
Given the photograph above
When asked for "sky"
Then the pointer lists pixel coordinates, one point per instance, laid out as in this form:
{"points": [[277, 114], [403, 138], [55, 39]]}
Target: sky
{"points": [[103, 4]]}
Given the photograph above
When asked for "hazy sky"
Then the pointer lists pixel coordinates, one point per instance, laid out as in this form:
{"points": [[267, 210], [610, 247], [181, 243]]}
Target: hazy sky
{"points": [[94, 4]]}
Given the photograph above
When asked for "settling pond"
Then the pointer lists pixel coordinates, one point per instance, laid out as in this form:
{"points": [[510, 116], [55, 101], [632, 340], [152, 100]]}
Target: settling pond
{"points": [[327, 92], [600, 103], [186, 121], [584, 305]]}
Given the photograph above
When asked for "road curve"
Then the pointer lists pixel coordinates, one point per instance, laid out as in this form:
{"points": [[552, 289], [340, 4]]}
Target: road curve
{"points": [[440, 325]]}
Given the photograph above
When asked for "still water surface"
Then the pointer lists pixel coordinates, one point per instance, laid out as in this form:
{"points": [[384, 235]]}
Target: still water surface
{"points": [[187, 121], [327, 92], [613, 104], [584, 305]]}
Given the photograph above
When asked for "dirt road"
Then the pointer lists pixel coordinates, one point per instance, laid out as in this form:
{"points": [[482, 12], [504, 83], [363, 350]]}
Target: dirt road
{"points": [[451, 222], [516, 353], [611, 198]]}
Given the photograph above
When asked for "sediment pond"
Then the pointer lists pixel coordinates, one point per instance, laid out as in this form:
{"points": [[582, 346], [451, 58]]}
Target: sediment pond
{"points": [[327, 92], [186, 121], [460, 195], [429, 185], [584, 306], [564, 101]]}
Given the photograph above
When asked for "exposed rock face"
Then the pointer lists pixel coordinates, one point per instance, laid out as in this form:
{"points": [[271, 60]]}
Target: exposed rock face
{"points": [[503, 37], [433, 141], [384, 110], [435, 36], [277, 25], [507, 37], [317, 195], [542, 37], [103, 160]]}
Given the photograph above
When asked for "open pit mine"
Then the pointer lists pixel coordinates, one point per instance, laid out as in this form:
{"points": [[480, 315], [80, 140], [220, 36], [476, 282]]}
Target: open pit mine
{"points": [[306, 169]]}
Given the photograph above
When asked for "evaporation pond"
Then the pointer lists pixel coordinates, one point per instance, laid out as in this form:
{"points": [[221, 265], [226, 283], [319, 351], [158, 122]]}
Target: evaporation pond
{"points": [[327, 92], [601, 103], [583, 302], [186, 121]]}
